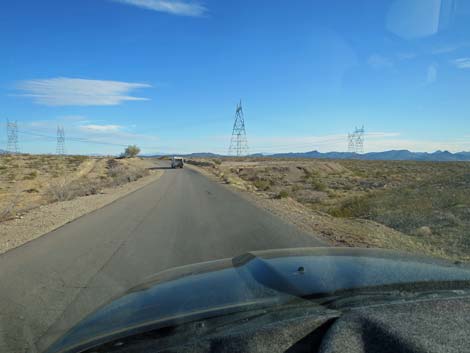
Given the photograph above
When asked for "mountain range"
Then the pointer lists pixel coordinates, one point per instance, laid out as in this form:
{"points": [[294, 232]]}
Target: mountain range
{"points": [[392, 155], [397, 155]]}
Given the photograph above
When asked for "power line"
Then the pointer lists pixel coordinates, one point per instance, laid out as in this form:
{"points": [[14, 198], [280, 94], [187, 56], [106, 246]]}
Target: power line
{"points": [[238, 142], [12, 137], [75, 139], [41, 135]]}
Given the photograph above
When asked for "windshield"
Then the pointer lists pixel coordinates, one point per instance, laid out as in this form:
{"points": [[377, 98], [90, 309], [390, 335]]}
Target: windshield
{"points": [[139, 136]]}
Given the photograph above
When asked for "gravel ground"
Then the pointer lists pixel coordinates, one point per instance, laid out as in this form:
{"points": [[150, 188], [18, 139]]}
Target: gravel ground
{"points": [[44, 219]]}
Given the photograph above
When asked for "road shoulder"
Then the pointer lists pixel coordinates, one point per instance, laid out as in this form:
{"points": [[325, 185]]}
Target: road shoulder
{"points": [[44, 219], [294, 214], [331, 230]]}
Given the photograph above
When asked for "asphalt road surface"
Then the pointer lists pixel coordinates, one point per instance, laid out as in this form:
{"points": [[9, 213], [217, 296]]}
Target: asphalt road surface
{"points": [[49, 284]]}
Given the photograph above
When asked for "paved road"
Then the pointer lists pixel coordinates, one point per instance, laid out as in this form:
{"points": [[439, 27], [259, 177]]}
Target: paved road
{"points": [[52, 282]]}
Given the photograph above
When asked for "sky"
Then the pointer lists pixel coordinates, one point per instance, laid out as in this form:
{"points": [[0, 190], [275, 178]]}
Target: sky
{"points": [[167, 75]]}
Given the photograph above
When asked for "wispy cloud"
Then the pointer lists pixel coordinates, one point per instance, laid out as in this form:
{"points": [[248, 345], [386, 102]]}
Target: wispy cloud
{"points": [[174, 7], [431, 74], [462, 63], [63, 91], [377, 61], [449, 48], [100, 128]]}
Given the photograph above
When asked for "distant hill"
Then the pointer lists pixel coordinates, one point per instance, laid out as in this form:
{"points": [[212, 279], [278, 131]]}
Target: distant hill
{"points": [[202, 155], [393, 155], [397, 155], [191, 155]]}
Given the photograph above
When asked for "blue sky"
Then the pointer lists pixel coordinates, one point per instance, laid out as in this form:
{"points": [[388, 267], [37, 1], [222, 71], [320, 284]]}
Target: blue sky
{"points": [[167, 75]]}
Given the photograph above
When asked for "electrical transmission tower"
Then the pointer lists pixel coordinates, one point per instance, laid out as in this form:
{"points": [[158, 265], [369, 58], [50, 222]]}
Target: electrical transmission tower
{"points": [[351, 143], [12, 137], [356, 141], [60, 149], [238, 142], [359, 139]]}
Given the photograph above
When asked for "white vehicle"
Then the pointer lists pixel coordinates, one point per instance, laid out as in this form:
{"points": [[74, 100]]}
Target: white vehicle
{"points": [[177, 162]]}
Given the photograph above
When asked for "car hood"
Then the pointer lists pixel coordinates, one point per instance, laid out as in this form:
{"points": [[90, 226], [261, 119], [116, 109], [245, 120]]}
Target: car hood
{"points": [[253, 280]]}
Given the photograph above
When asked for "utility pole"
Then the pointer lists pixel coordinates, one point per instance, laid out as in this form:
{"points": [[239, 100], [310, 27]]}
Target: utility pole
{"points": [[60, 149], [238, 142], [12, 137]]}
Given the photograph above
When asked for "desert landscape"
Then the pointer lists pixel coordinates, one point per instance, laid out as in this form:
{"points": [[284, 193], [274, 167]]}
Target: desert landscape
{"points": [[421, 207], [30, 181]]}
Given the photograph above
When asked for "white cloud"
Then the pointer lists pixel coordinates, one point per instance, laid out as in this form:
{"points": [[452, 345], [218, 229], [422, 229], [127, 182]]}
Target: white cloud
{"points": [[432, 74], [64, 91], [101, 128], [462, 63], [174, 7], [377, 61]]}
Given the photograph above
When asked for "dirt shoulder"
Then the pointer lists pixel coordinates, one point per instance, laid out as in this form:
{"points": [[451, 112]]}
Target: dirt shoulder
{"points": [[337, 231], [46, 217]]}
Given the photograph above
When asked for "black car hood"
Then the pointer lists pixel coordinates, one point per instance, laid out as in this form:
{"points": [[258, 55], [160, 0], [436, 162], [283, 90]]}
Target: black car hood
{"points": [[256, 279]]}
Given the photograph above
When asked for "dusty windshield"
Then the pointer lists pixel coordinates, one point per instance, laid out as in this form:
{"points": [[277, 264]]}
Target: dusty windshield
{"points": [[138, 136]]}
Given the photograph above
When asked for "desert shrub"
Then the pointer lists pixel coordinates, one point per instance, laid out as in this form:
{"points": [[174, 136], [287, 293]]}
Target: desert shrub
{"points": [[76, 160], [308, 173], [11, 176], [424, 231], [262, 184], [64, 191], [316, 184], [312, 178], [31, 176], [8, 211], [295, 188], [200, 163], [120, 175], [282, 194], [88, 188], [357, 207], [61, 190], [112, 164]]}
